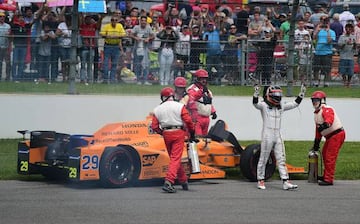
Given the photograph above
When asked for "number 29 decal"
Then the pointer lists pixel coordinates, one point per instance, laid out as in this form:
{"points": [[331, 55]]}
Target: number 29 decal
{"points": [[90, 162]]}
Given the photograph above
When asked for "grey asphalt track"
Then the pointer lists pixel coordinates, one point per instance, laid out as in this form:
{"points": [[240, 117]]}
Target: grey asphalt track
{"points": [[210, 201]]}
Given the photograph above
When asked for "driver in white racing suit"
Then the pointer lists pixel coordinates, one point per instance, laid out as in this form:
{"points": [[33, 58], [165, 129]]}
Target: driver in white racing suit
{"points": [[272, 109]]}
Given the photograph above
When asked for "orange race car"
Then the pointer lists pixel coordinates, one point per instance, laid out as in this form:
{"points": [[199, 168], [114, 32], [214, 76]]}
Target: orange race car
{"points": [[121, 154]]}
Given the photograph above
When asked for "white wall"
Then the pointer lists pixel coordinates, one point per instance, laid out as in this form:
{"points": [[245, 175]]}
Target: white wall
{"points": [[80, 114]]}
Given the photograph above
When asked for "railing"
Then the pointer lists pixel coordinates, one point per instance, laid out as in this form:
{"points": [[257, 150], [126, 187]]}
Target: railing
{"points": [[247, 62]]}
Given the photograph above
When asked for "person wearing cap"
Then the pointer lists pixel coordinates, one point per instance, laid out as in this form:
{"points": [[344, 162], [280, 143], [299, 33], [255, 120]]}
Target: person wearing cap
{"points": [[197, 46], [231, 50], [182, 51], [112, 34], [5, 30], [346, 16], [347, 46]]}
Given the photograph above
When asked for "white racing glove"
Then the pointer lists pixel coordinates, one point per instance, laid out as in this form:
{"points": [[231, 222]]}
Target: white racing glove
{"points": [[302, 91], [256, 91]]}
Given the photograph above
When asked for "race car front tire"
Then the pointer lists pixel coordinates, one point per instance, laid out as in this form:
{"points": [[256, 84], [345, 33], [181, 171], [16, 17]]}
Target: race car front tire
{"points": [[119, 167], [249, 159]]}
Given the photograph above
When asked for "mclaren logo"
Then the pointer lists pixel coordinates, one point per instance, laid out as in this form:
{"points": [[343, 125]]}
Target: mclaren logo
{"points": [[149, 160]]}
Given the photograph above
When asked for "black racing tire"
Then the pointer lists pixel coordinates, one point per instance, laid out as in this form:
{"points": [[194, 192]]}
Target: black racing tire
{"points": [[249, 160], [119, 167]]}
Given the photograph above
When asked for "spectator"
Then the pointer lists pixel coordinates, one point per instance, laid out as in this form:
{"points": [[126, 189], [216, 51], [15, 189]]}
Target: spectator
{"points": [[134, 16], [265, 55], [200, 103], [5, 30], [324, 37], [304, 48], [52, 19], [231, 60], [254, 34], [88, 33], [168, 39], [267, 26], [337, 27], [142, 35], [315, 17], [182, 49], [197, 46], [36, 27], [20, 31], [171, 16], [46, 37], [327, 124], [213, 52], [196, 18], [242, 20], [63, 32], [170, 118], [357, 35], [112, 33], [347, 46], [346, 16], [205, 14], [284, 30], [127, 42], [308, 25]]}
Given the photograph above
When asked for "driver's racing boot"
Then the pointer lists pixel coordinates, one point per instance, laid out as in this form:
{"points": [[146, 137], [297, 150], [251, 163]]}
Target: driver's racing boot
{"points": [[168, 187]]}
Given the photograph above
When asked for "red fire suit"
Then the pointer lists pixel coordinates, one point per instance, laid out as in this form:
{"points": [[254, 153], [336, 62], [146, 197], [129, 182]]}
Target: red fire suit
{"points": [[334, 135], [200, 108], [169, 120]]}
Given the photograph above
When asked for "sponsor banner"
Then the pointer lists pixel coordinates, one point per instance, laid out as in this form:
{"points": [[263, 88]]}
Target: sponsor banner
{"points": [[55, 3], [98, 6]]}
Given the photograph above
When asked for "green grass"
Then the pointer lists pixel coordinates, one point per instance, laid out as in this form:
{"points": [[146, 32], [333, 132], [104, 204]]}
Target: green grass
{"points": [[132, 89], [348, 163]]}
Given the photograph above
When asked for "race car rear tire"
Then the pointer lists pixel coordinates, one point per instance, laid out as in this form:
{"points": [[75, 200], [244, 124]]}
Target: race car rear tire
{"points": [[119, 167], [249, 160]]}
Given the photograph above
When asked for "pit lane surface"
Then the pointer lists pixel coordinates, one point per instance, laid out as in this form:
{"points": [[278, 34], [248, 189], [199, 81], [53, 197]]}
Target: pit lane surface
{"points": [[210, 201]]}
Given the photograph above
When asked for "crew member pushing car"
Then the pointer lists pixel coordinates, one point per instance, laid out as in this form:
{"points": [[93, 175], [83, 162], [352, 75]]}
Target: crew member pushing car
{"points": [[169, 120], [328, 125], [271, 110], [200, 103]]}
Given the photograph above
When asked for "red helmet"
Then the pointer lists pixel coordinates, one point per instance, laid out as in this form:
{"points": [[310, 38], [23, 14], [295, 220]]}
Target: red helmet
{"points": [[201, 73], [180, 82], [320, 96], [166, 93]]}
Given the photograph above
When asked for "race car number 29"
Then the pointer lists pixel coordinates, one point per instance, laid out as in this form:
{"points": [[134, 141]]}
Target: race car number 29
{"points": [[90, 162]]}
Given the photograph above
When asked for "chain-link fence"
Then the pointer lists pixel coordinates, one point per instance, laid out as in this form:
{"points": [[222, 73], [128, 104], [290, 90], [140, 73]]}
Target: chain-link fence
{"points": [[243, 62]]}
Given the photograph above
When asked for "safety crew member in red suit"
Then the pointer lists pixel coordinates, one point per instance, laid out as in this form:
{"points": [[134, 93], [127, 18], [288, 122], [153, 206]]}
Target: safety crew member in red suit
{"points": [[169, 120], [180, 90], [328, 125], [200, 103]]}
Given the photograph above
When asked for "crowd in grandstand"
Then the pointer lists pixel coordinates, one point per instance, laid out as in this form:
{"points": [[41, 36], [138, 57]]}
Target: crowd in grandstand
{"points": [[148, 46]]}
